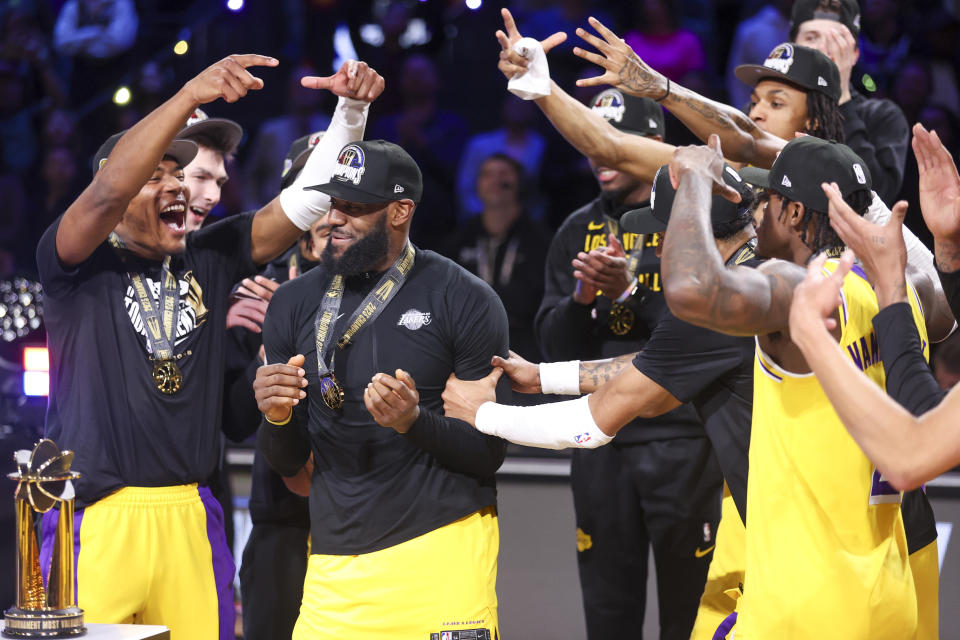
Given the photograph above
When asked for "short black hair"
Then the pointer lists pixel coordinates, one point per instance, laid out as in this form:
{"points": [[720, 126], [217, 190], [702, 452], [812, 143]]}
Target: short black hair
{"points": [[832, 6], [823, 237]]}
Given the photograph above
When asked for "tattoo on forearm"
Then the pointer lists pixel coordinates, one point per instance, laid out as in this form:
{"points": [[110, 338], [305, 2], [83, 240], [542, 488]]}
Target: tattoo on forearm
{"points": [[947, 256], [594, 373], [636, 76]]}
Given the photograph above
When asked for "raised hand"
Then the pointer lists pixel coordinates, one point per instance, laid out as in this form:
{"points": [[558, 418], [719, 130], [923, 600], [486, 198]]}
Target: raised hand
{"points": [[512, 63], [462, 398], [352, 80], [703, 160], [879, 247], [939, 196], [524, 375], [816, 299], [393, 401], [622, 67], [228, 78], [278, 387]]}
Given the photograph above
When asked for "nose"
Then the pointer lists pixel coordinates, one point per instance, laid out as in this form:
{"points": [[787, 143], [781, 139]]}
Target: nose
{"points": [[335, 217], [172, 183]]}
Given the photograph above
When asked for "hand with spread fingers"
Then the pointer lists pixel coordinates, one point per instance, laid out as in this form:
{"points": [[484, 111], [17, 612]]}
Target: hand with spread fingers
{"points": [[228, 78], [512, 63], [462, 398], [279, 387], [352, 80], [604, 269], [622, 67], [524, 375], [880, 248], [393, 401], [816, 299], [703, 160], [939, 196]]}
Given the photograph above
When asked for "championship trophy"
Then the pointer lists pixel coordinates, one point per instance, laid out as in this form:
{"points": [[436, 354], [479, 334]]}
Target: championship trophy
{"points": [[44, 478]]}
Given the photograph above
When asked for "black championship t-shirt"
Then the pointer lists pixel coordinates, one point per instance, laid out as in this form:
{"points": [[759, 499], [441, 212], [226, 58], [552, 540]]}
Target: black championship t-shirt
{"points": [[571, 331], [104, 405], [714, 372], [372, 487]]}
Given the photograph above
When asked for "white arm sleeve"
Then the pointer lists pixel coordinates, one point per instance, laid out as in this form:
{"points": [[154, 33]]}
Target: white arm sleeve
{"points": [[560, 377], [347, 125], [557, 425]]}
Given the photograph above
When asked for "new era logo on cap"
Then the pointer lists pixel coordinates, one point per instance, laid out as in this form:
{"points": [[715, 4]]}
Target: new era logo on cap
{"points": [[652, 123], [786, 182], [350, 164], [397, 188], [822, 82]]}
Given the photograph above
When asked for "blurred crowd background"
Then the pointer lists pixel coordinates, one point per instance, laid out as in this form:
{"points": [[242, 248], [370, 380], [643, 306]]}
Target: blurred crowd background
{"points": [[72, 72]]}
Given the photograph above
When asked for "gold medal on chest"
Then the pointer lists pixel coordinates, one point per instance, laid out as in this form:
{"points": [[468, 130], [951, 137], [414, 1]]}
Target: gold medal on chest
{"points": [[167, 376]]}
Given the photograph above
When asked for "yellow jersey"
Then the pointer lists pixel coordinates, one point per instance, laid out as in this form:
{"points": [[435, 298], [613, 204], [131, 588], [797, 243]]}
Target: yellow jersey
{"points": [[826, 551]]}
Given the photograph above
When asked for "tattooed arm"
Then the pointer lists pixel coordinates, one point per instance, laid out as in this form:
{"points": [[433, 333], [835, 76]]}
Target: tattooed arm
{"points": [[594, 373], [742, 139], [589, 133], [698, 286]]}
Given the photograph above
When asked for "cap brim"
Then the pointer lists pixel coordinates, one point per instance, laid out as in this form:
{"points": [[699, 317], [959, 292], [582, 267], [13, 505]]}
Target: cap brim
{"points": [[230, 130], [642, 220], [751, 74], [756, 176], [344, 191], [184, 151]]}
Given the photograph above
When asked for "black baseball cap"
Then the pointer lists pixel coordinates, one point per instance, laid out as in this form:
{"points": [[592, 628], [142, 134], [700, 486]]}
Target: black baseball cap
{"points": [[802, 66], [807, 162], [654, 218], [847, 13], [227, 132], [640, 116], [297, 156], [183, 151], [373, 171]]}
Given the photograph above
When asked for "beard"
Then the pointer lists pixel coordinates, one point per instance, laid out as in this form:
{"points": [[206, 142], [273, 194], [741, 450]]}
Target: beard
{"points": [[362, 255]]}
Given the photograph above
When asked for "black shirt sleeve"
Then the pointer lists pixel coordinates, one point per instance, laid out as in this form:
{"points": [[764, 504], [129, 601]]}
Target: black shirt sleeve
{"points": [[562, 325], [909, 379], [951, 289], [57, 278], [879, 133], [684, 359], [479, 331]]}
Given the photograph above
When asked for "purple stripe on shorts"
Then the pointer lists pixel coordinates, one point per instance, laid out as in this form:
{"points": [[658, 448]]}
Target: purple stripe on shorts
{"points": [[725, 626], [48, 535], [223, 567]]}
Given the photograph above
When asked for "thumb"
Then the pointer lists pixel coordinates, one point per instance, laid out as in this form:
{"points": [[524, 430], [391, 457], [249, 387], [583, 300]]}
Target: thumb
{"points": [[615, 244], [297, 360], [714, 143], [405, 378], [897, 214], [317, 82], [494, 376]]}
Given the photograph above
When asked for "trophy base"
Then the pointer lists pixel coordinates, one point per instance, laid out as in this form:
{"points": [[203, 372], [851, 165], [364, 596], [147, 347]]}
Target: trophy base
{"points": [[49, 623]]}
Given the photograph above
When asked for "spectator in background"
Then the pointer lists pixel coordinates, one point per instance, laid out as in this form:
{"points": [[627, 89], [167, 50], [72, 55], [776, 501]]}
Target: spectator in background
{"points": [[435, 138], [885, 43], [912, 87], [516, 138], [672, 51], [302, 116], [755, 38], [505, 247]]}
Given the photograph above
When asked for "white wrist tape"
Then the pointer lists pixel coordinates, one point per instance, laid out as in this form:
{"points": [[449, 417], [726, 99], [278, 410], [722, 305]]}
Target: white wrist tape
{"points": [[560, 377], [347, 125], [535, 83], [557, 425], [918, 256]]}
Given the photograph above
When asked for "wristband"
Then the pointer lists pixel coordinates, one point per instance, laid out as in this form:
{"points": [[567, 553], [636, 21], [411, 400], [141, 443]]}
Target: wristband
{"points": [[561, 378], [282, 422]]}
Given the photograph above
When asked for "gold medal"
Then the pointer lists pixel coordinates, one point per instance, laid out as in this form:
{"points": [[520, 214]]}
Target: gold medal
{"points": [[621, 319], [331, 391], [167, 376]]}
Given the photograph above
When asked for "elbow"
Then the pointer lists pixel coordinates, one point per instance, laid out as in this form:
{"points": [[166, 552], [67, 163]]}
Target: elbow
{"points": [[905, 479]]}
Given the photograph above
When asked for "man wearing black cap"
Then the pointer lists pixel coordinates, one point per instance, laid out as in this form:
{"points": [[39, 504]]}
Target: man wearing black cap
{"points": [[875, 129], [404, 533], [136, 319], [826, 550], [679, 363], [602, 298]]}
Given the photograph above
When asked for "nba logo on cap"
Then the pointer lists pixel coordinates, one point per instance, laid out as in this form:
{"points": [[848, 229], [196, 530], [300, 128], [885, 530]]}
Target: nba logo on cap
{"points": [[609, 105], [350, 164], [780, 59], [858, 171]]}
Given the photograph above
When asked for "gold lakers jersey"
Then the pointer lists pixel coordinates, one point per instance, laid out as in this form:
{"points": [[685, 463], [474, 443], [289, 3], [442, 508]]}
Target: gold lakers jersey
{"points": [[826, 551]]}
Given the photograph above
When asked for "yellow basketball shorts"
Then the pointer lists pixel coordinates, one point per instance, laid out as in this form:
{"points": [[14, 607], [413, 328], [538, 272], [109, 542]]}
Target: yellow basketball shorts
{"points": [[423, 589], [153, 555], [725, 573]]}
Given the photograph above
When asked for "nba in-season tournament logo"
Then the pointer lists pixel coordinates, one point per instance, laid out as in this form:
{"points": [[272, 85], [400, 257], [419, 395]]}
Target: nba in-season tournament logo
{"points": [[780, 59], [350, 164], [609, 105]]}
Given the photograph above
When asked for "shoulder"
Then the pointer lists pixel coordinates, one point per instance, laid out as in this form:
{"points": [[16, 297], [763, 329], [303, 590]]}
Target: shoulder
{"points": [[578, 219], [302, 291], [455, 284], [877, 108]]}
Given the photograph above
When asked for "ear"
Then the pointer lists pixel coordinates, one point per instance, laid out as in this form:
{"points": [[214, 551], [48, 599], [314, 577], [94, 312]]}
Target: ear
{"points": [[795, 213], [400, 212]]}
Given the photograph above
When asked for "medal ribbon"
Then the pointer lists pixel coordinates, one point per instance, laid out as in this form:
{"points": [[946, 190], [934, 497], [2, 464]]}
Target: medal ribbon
{"points": [[160, 335], [366, 312]]}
